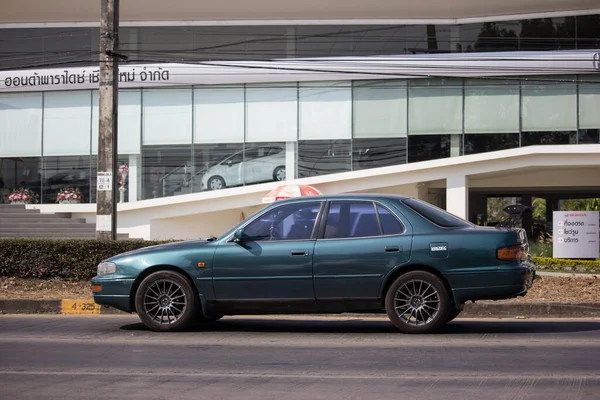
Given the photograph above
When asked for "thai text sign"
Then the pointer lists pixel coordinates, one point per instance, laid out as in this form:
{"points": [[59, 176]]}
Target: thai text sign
{"points": [[575, 234]]}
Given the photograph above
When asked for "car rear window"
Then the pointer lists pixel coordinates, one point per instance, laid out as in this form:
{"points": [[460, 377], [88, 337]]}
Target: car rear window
{"points": [[435, 215]]}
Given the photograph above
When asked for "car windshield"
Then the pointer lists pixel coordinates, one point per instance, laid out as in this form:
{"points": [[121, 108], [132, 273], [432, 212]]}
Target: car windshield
{"points": [[435, 214]]}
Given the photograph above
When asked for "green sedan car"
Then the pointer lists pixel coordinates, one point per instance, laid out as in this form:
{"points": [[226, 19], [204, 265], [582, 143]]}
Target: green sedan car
{"points": [[323, 254]]}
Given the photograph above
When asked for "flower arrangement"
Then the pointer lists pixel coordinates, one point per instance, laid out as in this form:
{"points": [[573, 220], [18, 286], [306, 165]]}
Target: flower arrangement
{"points": [[22, 196], [123, 170], [69, 195]]}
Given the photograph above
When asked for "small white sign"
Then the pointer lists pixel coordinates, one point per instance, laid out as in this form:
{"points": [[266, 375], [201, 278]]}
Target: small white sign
{"points": [[576, 234], [103, 223], [104, 181]]}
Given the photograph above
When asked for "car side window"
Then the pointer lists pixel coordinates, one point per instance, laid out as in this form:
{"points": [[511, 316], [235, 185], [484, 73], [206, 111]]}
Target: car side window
{"points": [[251, 154], [389, 222], [347, 219], [235, 159], [288, 222]]}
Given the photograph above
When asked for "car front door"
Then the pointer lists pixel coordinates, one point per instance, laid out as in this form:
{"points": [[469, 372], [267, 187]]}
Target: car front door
{"points": [[273, 261], [361, 242]]}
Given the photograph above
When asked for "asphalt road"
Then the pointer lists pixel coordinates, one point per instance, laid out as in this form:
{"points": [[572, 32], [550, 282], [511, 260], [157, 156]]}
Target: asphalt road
{"points": [[114, 357]]}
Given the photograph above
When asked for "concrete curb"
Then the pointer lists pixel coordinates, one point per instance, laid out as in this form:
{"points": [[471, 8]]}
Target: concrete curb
{"points": [[471, 310]]}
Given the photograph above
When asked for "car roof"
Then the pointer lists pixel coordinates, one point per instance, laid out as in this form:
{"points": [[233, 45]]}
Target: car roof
{"points": [[366, 196]]}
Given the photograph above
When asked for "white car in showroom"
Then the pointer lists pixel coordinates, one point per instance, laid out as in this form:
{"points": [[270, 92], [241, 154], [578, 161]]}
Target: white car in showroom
{"points": [[252, 165]]}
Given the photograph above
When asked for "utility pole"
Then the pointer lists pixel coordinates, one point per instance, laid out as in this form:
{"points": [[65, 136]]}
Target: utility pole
{"points": [[106, 193]]}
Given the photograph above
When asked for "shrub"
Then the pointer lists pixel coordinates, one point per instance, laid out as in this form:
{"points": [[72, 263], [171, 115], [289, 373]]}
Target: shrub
{"points": [[538, 249], [78, 259], [49, 258], [559, 264]]}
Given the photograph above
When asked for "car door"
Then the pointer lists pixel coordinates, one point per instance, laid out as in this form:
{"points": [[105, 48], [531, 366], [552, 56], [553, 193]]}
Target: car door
{"points": [[360, 243], [251, 165], [274, 259]]}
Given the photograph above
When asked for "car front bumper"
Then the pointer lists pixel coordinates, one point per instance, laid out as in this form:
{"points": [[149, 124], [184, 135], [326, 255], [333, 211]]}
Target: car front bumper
{"points": [[114, 292]]}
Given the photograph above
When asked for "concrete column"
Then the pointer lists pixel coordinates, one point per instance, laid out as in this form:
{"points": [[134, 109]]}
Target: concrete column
{"points": [[422, 191], [455, 144], [455, 45], [457, 195], [551, 206], [290, 161], [477, 207], [290, 43], [135, 184], [527, 220]]}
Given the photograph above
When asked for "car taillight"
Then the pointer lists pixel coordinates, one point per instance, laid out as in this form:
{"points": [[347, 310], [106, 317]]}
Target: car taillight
{"points": [[511, 253]]}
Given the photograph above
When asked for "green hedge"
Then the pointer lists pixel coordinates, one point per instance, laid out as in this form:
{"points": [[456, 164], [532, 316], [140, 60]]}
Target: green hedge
{"points": [[78, 259], [70, 259], [558, 264]]}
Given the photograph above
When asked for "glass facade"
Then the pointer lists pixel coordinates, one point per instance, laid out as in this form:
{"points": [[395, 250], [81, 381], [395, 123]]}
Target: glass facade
{"points": [[37, 47], [189, 139]]}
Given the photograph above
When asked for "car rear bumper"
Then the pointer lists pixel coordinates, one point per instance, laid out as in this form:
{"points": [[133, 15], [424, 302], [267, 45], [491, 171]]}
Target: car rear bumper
{"points": [[506, 282], [114, 293]]}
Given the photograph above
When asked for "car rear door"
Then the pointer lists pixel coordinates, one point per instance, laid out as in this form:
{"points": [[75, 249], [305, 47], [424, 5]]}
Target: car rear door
{"points": [[361, 241]]}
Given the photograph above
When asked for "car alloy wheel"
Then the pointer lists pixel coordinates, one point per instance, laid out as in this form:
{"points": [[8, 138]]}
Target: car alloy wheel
{"points": [[279, 174], [216, 183], [418, 302], [165, 301]]}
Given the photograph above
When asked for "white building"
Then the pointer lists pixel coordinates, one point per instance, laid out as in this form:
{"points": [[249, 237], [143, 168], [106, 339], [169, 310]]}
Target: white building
{"points": [[449, 104]]}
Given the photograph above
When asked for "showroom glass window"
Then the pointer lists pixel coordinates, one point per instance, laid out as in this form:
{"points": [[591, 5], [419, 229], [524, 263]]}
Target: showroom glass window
{"points": [[288, 222], [549, 110], [491, 119], [325, 128], [589, 109], [166, 141], [67, 127], [435, 118], [379, 123], [20, 143]]}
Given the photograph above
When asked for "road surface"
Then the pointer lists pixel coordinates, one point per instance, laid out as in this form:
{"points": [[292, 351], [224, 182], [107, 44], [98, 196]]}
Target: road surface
{"points": [[115, 357]]}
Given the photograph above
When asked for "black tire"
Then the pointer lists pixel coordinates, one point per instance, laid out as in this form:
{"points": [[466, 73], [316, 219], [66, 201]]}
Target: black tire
{"points": [[219, 183], [166, 302], [279, 174], [418, 302]]}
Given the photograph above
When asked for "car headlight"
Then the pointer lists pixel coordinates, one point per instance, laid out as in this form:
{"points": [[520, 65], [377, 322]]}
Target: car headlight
{"points": [[107, 268]]}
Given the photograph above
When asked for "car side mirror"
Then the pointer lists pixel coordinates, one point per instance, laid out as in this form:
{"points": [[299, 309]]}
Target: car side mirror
{"points": [[238, 236], [229, 163]]}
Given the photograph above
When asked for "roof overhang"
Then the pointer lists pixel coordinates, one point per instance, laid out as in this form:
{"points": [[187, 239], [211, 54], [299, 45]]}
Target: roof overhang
{"points": [[287, 11]]}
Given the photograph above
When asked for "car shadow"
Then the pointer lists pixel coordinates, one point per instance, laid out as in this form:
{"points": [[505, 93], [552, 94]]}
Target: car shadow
{"points": [[272, 324]]}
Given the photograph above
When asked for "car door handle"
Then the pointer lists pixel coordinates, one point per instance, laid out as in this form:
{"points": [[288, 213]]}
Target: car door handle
{"points": [[393, 249], [301, 253]]}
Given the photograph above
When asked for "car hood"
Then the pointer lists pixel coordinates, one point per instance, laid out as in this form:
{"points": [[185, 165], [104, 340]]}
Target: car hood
{"points": [[162, 248]]}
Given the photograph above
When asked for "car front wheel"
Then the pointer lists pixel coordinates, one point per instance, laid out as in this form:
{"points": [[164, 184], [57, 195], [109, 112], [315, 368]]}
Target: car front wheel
{"points": [[216, 183], [166, 302], [418, 302], [279, 174]]}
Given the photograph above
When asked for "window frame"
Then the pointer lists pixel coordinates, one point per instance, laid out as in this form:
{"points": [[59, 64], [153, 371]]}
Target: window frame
{"points": [[313, 234], [465, 223], [375, 204]]}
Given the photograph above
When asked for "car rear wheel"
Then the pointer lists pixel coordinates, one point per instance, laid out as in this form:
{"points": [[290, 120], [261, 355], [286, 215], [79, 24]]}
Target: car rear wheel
{"points": [[279, 174], [216, 183], [166, 302], [418, 302]]}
